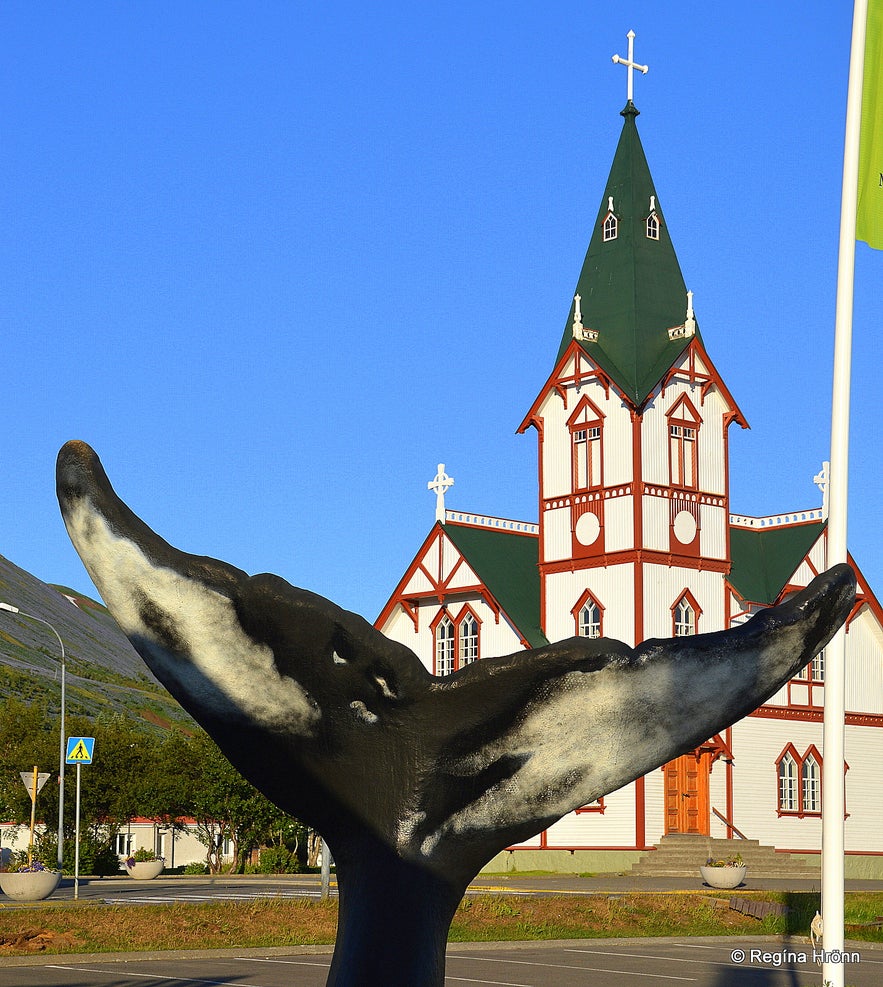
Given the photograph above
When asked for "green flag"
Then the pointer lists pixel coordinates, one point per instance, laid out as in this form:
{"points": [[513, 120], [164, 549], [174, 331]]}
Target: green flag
{"points": [[869, 211]]}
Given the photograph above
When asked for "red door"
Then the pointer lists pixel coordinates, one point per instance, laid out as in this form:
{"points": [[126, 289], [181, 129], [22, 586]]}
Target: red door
{"points": [[686, 794]]}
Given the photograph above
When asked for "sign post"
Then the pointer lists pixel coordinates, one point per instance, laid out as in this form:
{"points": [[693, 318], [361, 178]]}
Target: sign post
{"points": [[33, 782], [79, 751]]}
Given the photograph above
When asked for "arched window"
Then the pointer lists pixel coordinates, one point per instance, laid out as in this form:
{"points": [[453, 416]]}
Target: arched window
{"points": [[468, 640], [811, 778], [800, 782], [684, 617], [588, 616], [652, 226], [611, 225], [586, 431], [683, 444], [444, 646], [788, 791], [590, 619]]}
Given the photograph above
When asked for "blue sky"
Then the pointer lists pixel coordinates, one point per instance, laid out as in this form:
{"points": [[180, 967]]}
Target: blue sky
{"points": [[275, 261]]}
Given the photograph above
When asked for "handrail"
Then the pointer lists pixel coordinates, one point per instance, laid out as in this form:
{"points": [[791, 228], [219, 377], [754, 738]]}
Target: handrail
{"points": [[729, 824]]}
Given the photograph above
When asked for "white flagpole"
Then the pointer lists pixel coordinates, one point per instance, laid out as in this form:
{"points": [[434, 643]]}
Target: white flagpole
{"points": [[833, 795]]}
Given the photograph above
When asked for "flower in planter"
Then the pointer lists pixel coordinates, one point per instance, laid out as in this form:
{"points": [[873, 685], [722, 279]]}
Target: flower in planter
{"points": [[142, 855], [729, 862]]}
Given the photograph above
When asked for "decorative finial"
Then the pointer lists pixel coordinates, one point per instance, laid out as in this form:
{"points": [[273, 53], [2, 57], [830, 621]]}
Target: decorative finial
{"points": [[440, 484], [631, 64]]}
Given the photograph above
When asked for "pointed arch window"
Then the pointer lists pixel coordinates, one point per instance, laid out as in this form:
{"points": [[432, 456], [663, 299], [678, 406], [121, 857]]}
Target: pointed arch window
{"points": [[586, 426], [811, 784], [800, 782], [588, 615], [610, 229], [683, 444], [455, 639], [789, 794], [685, 615], [652, 224], [467, 639], [444, 646]]}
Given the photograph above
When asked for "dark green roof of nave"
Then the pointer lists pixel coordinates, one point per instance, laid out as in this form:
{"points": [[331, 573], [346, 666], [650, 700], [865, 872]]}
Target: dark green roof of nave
{"points": [[631, 287], [508, 564]]}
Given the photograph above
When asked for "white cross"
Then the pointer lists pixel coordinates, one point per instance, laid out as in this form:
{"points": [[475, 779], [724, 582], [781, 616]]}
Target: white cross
{"points": [[631, 64], [440, 484], [821, 480]]}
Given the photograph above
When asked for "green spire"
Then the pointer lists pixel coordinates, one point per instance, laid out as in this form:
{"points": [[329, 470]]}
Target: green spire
{"points": [[631, 288]]}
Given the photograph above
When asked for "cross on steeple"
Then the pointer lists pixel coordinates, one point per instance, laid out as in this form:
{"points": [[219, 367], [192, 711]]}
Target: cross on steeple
{"points": [[439, 485], [631, 64]]}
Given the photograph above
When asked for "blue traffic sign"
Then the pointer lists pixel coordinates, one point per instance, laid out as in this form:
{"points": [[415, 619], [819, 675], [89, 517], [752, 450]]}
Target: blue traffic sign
{"points": [[79, 750]]}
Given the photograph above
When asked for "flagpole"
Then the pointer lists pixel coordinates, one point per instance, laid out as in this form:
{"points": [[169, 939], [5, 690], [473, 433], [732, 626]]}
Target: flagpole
{"points": [[833, 794]]}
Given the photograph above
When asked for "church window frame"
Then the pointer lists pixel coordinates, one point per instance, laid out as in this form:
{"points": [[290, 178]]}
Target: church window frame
{"points": [[586, 426], [443, 643], [799, 782], [685, 614], [610, 229], [684, 424], [456, 640], [468, 637], [788, 781], [652, 226], [588, 615]]}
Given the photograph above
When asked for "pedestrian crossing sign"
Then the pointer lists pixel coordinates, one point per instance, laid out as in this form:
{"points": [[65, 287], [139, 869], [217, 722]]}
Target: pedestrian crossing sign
{"points": [[79, 750]]}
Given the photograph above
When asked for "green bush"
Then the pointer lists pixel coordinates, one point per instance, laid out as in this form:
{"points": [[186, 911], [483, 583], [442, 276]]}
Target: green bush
{"points": [[196, 868], [277, 860]]}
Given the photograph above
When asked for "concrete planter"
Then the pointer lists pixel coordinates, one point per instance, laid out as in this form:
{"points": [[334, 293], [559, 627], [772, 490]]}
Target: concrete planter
{"points": [[145, 870], [30, 886], [723, 877]]}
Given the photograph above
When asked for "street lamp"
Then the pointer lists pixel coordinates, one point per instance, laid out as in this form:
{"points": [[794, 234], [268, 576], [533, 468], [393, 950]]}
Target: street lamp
{"points": [[61, 745]]}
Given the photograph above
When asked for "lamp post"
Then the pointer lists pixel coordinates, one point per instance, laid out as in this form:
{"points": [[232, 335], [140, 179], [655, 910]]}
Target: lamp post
{"points": [[61, 745]]}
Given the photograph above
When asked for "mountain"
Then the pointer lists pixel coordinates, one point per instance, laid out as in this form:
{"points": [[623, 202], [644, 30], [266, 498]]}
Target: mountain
{"points": [[104, 674]]}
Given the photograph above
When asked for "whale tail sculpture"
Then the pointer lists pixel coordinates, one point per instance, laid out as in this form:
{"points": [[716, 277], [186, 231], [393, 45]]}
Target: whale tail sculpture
{"points": [[416, 781]]}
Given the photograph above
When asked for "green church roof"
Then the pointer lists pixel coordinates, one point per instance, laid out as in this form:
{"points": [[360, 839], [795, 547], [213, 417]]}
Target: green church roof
{"points": [[631, 288], [507, 563], [764, 559]]}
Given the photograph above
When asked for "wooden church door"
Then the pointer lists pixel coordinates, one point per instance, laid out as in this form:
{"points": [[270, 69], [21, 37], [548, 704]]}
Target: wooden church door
{"points": [[686, 794]]}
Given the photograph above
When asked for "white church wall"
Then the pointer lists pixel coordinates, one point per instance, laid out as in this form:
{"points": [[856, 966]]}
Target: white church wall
{"points": [[864, 664], [612, 588], [713, 531], [757, 744], [657, 511], [556, 534], [662, 588], [654, 806], [619, 527], [614, 827]]}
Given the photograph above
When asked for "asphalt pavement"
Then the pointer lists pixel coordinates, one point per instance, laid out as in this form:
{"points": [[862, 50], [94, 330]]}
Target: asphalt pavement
{"points": [[760, 961]]}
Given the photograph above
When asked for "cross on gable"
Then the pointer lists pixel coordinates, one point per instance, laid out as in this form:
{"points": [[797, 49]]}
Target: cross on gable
{"points": [[631, 65], [439, 484]]}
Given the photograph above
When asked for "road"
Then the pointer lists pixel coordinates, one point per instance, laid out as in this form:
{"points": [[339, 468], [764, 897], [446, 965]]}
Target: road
{"points": [[578, 963]]}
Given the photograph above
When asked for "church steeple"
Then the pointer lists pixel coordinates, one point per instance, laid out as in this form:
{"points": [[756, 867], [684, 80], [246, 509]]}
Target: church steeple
{"points": [[633, 317]]}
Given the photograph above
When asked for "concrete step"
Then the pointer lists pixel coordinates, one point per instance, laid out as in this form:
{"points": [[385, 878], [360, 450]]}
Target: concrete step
{"points": [[681, 855]]}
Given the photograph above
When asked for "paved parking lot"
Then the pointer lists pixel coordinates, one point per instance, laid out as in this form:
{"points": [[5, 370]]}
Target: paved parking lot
{"points": [[576, 963]]}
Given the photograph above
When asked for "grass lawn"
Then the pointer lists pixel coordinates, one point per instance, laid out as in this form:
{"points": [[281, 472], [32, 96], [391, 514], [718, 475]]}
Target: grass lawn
{"points": [[87, 927]]}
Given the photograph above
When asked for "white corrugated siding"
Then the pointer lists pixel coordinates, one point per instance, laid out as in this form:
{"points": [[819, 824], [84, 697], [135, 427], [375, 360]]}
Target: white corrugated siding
{"points": [[614, 827], [556, 534], [662, 588], [611, 586]]}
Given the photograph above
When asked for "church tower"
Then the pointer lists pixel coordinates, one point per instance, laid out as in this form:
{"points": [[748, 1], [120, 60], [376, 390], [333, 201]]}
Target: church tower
{"points": [[632, 429]]}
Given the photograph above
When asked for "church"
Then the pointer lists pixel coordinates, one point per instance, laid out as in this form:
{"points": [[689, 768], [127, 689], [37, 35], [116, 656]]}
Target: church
{"points": [[636, 539]]}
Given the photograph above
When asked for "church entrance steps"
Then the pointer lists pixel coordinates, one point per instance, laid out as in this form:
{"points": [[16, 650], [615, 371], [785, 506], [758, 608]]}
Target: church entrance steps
{"points": [[681, 855]]}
